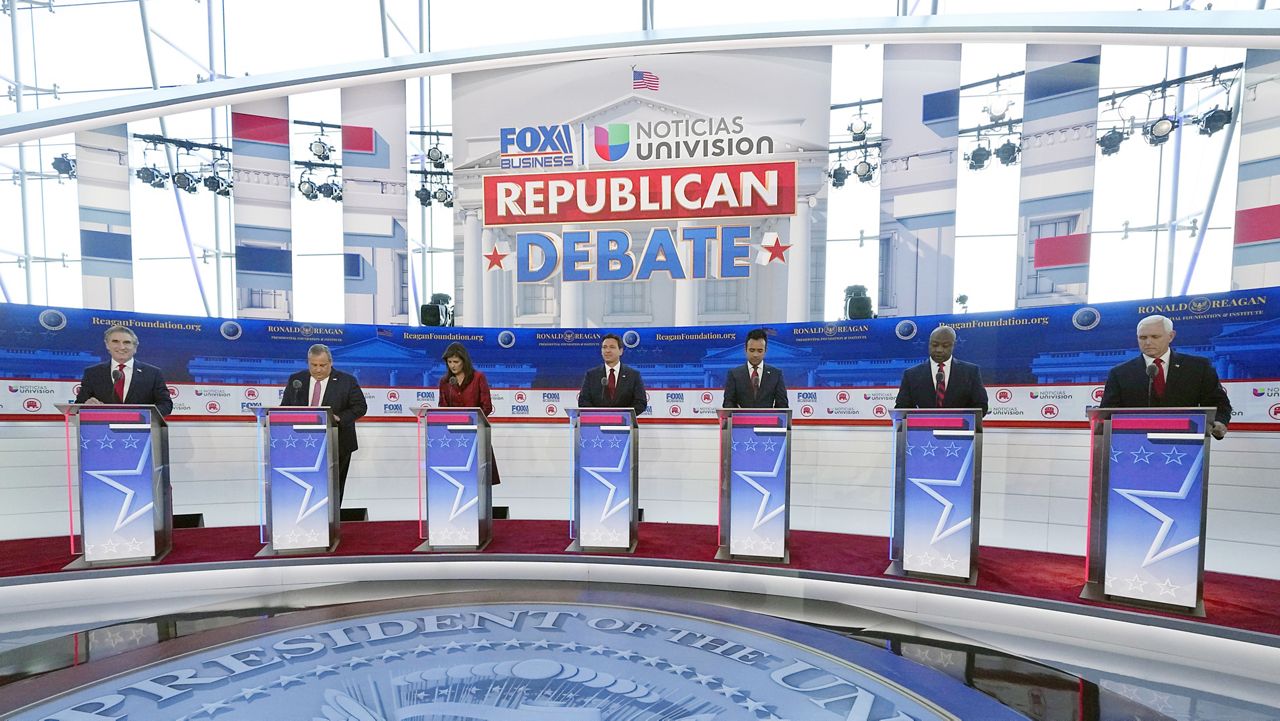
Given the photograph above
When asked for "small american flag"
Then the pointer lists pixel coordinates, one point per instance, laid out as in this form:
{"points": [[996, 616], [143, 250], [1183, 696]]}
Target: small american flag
{"points": [[643, 80], [385, 333]]}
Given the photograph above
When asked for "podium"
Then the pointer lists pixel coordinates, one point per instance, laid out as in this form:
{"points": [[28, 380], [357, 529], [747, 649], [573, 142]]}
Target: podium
{"points": [[1147, 477], [458, 476], [126, 503], [299, 480], [937, 490], [604, 516], [755, 484]]}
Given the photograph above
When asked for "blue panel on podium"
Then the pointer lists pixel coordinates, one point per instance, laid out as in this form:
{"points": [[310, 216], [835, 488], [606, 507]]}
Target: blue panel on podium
{"points": [[457, 478], [604, 478], [119, 465], [1155, 516], [938, 499], [301, 515], [756, 456]]}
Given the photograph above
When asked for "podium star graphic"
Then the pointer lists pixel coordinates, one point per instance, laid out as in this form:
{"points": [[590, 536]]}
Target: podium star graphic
{"points": [[763, 516], [1173, 456], [1142, 455], [609, 508], [308, 489], [942, 530], [1136, 496], [124, 517], [446, 472]]}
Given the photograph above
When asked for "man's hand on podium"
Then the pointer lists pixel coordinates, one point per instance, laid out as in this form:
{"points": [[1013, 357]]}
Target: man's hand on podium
{"points": [[1218, 430], [93, 402]]}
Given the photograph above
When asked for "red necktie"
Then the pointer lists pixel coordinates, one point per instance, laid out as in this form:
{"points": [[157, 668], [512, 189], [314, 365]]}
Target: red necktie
{"points": [[941, 380], [613, 386], [315, 394], [1157, 383], [755, 380], [119, 384]]}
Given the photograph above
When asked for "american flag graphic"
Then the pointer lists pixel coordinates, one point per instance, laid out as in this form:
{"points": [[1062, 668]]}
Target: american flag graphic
{"points": [[643, 80]]}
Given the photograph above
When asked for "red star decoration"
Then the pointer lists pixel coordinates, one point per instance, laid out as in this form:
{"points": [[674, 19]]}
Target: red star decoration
{"points": [[777, 250], [495, 259]]}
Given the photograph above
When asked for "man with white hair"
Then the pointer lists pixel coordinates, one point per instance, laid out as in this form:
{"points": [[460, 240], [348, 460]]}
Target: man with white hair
{"points": [[1161, 377]]}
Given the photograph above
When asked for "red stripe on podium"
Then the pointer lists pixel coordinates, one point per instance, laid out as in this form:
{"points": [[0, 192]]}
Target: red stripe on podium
{"points": [[292, 418], [1151, 424], [110, 416], [941, 423], [602, 419], [740, 419], [449, 418]]}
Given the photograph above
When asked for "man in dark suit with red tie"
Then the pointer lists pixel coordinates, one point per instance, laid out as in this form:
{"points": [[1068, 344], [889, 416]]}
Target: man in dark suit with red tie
{"points": [[942, 381], [123, 379], [613, 385], [1162, 378], [755, 384], [321, 385]]}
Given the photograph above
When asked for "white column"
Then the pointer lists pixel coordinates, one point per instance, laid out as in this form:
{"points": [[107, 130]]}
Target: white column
{"points": [[489, 312], [798, 264], [572, 314], [686, 299], [472, 269]]}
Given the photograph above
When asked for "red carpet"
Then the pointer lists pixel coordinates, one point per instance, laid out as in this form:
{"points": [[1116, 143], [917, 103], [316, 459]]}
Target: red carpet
{"points": [[1232, 601]]}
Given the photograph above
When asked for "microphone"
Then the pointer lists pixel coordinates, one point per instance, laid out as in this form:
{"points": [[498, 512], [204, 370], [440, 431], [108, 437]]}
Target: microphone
{"points": [[453, 380], [1151, 379], [296, 385], [116, 375]]}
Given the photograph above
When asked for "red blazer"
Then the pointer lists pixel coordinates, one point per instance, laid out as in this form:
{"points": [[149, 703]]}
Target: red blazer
{"points": [[475, 394]]}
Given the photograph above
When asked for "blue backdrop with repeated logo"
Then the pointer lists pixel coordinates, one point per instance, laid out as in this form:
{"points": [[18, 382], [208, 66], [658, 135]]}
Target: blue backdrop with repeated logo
{"points": [[1030, 359]]}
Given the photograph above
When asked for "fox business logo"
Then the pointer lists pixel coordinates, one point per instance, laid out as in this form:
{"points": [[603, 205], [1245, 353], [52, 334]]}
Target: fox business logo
{"points": [[549, 398], [520, 410], [425, 395], [675, 398], [811, 396], [536, 146], [249, 406], [393, 408]]}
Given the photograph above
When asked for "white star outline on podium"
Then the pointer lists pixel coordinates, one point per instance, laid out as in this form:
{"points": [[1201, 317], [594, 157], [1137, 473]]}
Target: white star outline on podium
{"points": [[307, 488], [749, 477], [941, 531], [443, 471], [608, 509], [1135, 496], [124, 517]]}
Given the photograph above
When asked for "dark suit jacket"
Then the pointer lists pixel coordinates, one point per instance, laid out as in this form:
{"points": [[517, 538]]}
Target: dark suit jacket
{"points": [[629, 390], [964, 388], [147, 386], [342, 395], [1190, 382], [738, 394]]}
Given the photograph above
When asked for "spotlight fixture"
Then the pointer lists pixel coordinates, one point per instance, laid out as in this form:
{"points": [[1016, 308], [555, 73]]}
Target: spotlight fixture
{"points": [[1008, 153], [217, 185], [978, 157], [1110, 141], [436, 156], [1158, 131], [320, 149], [442, 195], [151, 176], [423, 195], [184, 180], [1210, 123], [839, 174], [859, 128], [329, 188], [864, 170], [308, 188], [62, 165]]}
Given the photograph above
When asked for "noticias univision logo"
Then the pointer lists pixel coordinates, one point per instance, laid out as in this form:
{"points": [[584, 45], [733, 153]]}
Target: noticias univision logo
{"points": [[612, 141]]}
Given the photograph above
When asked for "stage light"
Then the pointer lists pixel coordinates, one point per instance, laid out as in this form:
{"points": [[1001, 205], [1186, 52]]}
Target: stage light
{"points": [[443, 195], [423, 195], [330, 188], [183, 180], [864, 170], [859, 128], [151, 176], [978, 157], [436, 156], [1158, 131], [1008, 153], [308, 188], [62, 165], [217, 185], [1210, 123], [839, 174], [1110, 141], [320, 149]]}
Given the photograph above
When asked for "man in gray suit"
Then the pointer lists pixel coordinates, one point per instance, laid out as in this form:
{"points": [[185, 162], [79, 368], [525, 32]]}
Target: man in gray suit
{"points": [[756, 384]]}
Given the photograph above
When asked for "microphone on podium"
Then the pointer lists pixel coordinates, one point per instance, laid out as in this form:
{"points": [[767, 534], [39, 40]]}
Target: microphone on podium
{"points": [[1151, 380], [116, 375]]}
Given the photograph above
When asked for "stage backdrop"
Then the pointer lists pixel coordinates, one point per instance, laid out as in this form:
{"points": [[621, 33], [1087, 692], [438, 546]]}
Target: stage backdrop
{"points": [[1042, 367]]}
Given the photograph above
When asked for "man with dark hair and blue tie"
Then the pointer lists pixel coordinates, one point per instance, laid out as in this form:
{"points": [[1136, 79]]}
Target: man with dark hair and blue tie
{"points": [[613, 385], [755, 384], [942, 381]]}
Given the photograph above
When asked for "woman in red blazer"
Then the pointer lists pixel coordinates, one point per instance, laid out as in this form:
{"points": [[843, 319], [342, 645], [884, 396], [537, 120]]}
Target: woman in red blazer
{"points": [[462, 386]]}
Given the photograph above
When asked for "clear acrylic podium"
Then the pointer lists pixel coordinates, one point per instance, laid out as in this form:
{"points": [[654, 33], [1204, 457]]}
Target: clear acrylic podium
{"points": [[755, 484], [604, 516], [299, 479], [458, 476]]}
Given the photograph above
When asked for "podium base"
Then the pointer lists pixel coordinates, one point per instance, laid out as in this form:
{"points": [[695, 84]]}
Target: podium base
{"points": [[577, 547], [269, 550], [80, 564], [1092, 591], [722, 554], [426, 547], [895, 569]]}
